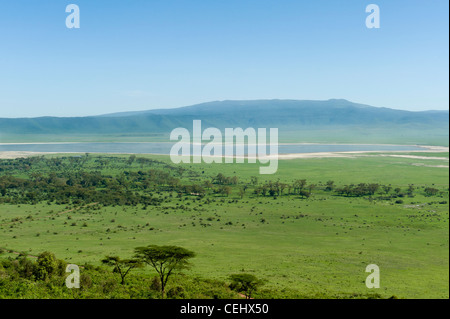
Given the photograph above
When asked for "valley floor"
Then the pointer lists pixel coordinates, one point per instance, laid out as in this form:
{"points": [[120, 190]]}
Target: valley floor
{"points": [[316, 246]]}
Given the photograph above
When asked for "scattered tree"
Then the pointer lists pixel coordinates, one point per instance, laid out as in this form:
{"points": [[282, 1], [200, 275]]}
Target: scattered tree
{"points": [[122, 266], [165, 260], [245, 284]]}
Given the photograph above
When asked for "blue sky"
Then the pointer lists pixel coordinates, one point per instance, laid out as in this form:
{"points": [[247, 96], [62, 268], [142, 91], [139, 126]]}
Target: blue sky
{"points": [[137, 55]]}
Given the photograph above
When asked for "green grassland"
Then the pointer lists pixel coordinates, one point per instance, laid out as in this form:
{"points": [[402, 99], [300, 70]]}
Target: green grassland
{"points": [[316, 247]]}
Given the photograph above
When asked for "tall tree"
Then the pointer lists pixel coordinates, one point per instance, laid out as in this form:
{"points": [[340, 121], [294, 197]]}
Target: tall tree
{"points": [[165, 260]]}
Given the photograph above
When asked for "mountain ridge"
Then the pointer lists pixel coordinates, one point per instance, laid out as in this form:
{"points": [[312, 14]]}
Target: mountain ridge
{"points": [[284, 114], [215, 103]]}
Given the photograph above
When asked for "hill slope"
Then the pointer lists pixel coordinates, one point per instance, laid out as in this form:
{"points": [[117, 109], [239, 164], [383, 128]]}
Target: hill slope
{"points": [[286, 115]]}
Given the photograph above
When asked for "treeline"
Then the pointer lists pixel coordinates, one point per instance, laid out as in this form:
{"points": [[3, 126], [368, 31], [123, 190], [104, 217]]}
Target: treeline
{"points": [[86, 179], [15, 190], [67, 164], [82, 187], [298, 187], [301, 188], [137, 187]]}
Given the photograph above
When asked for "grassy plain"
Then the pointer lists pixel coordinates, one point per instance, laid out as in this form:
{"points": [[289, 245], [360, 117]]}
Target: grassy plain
{"points": [[302, 248]]}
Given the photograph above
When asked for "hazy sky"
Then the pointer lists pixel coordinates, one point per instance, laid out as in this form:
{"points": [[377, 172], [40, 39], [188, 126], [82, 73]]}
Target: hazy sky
{"points": [[137, 55]]}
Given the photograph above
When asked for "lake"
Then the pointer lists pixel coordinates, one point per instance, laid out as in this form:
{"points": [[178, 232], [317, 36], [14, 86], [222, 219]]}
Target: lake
{"points": [[164, 148]]}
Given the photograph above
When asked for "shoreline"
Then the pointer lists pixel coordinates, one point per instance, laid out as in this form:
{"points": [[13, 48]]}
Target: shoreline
{"points": [[344, 154]]}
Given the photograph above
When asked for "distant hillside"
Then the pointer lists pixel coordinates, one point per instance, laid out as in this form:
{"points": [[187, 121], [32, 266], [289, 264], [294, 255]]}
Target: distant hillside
{"points": [[284, 114]]}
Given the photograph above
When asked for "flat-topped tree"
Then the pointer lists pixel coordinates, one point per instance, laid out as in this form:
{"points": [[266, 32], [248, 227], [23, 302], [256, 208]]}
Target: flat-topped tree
{"points": [[165, 260], [122, 266]]}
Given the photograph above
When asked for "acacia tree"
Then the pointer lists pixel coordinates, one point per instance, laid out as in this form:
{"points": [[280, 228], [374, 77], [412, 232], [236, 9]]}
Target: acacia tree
{"points": [[245, 283], [329, 186], [372, 188], [298, 185], [122, 266], [311, 187], [387, 189], [165, 260], [225, 190]]}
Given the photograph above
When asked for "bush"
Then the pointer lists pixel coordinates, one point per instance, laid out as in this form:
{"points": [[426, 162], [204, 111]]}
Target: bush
{"points": [[85, 281], [109, 285], [46, 265], [155, 284], [175, 292], [26, 268]]}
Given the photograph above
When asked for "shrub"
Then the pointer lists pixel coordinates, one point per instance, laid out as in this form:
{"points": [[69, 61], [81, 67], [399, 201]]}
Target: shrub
{"points": [[176, 292], [85, 281], [155, 284], [109, 285]]}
